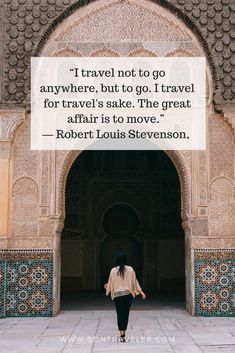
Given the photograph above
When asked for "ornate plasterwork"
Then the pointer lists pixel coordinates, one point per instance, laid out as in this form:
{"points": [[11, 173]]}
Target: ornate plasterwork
{"points": [[76, 36], [133, 27], [214, 254], [198, 227], [143, 26], [28, 242], [222, 206], [25, 160], [221, 145], [9, 120], [25, 207], [5, 149], [30, 23], [40, 166], [229, 116]]}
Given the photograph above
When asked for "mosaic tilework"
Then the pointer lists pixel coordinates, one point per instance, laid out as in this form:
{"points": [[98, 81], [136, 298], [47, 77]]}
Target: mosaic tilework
{"points": [[27, 283], [2, 270], [214, 282]]}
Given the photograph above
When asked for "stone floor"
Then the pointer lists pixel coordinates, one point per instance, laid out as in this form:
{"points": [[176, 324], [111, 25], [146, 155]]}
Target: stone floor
{"points": [[162, 329]]}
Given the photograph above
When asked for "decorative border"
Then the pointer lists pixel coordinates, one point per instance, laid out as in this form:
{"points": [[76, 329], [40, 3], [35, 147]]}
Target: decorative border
{"points": [[217, 254], [12, 254]]}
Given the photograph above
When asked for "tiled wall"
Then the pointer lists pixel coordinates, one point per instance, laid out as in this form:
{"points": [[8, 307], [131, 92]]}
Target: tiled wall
{"points": [[26, 278], [214, 282], [2, 278], [26, 282]]}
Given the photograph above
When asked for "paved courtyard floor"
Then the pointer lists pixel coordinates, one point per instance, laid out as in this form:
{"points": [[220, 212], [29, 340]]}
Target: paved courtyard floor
{"points": [[164, 329]]}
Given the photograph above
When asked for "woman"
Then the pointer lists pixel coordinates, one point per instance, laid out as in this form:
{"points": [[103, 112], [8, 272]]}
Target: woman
{"points": [[123, 286]]}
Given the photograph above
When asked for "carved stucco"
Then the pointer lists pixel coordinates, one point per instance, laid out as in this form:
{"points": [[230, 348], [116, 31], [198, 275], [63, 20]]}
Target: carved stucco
{"points": [[229, 116], [25, 160], [76, 36], [29, 23], [25, 207], [144, 27], [222, 207], [9, 121], [221, 145], [133, 27], [50, 169], [26, 242], [157, 33]]}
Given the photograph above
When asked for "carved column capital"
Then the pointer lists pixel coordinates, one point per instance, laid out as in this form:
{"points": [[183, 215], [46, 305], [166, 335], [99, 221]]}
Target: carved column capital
{"points": [[196, 226], [57, 223], [229, 115]]}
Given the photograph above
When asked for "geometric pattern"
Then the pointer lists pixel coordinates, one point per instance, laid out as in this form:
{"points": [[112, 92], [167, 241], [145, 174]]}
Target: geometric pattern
{"points": [[2, 270], [214, 282], [27, 22], [27, 283]]}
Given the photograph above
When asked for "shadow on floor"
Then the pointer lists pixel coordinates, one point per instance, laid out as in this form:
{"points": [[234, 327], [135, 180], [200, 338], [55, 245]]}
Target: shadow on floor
{"points": [[98, 301]]}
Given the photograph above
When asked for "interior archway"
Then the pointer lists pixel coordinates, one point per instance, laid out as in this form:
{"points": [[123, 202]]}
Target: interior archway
{"points": [[141, 190], [121, 222]]}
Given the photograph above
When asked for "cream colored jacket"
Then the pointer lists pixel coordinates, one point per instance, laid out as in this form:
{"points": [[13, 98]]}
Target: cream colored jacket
{"points": [[117, 283]]}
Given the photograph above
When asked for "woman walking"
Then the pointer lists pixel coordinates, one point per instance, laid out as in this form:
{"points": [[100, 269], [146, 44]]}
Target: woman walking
{"points": [[123, 287]]}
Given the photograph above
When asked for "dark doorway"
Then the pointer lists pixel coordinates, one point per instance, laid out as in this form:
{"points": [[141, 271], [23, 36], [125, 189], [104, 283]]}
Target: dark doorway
{"points": [[123, 200], [120, 224]]}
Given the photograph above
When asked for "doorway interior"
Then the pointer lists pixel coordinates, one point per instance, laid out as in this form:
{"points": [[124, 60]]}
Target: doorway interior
{"points": [[128, 201]]}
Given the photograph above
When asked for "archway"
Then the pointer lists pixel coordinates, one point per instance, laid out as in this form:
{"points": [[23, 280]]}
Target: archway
{"points": [[129, 201], [164, 35]]}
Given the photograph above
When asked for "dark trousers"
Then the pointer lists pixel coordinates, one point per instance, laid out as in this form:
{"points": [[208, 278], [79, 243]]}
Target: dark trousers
{"points": [[123, 305]]}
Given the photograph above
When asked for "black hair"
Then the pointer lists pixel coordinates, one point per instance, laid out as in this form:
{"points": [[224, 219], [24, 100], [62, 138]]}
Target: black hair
{"points": [[121, 262]]}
